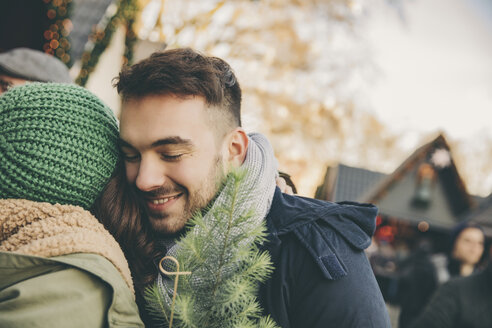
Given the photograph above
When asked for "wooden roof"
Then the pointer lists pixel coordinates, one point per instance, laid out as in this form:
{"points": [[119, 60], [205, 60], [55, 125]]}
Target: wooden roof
{"points": [[343, 182], [483, 215], [393, 194]]}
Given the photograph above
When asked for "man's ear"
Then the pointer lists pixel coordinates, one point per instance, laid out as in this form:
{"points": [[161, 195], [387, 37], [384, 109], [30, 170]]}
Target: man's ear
{"points": [[237, 146]]}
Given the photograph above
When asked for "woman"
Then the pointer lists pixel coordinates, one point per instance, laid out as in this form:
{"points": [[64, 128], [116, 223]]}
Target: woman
{"points": [[424, 273], [462, 302], [59, 266]]}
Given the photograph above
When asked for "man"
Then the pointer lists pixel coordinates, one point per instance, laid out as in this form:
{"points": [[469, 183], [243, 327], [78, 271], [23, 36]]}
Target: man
{"points": [[21, 65], [180, 130]]}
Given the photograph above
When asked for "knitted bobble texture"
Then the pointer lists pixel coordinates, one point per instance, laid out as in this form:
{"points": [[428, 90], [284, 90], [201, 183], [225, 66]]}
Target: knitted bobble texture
{"points": [[58, 144]]}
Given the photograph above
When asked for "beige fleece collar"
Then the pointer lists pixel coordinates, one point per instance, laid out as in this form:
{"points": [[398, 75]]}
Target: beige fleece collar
{"points": [[43, 229]]}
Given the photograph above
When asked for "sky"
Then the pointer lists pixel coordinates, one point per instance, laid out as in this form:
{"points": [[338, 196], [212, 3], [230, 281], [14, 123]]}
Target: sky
{"points": [[434, 65]]}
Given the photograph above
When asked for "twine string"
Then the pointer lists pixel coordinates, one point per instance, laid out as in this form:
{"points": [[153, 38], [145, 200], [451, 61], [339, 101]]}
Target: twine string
{"points": [[177, 273]]}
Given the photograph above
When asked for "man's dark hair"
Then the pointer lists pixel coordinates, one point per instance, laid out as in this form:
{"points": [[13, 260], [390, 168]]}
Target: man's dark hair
{"points": [[183, 73]]}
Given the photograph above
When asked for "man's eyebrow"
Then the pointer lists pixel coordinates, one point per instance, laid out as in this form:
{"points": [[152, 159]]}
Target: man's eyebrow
{"points": [[161, 142], [172, 141]]}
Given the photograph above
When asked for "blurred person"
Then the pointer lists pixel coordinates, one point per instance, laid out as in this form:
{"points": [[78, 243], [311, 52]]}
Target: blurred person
{"points": [[181, 131], [460, 303], [59, 266], [21, 65], [468, 249], [417, 281], [383, 263], [423, 272]]}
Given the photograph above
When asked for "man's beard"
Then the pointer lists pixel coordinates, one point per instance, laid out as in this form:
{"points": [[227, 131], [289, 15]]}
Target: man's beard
{"points": [[195, 201]]}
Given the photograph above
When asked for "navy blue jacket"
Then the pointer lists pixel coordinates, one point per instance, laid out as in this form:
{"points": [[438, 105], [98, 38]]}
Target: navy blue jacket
{"points": [[322, 277]]}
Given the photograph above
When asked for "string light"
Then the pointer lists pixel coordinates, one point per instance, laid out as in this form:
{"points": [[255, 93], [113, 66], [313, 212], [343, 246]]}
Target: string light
{"points": [[56, 35], [124, 13]]}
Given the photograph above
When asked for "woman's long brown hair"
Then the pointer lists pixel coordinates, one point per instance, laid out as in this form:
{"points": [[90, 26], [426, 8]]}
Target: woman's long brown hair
{"points": [[117, 208]]}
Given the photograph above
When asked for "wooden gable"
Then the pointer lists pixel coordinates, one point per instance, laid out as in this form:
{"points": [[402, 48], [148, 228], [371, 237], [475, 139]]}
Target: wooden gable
{"points": [[483, 215], [425, 188]]}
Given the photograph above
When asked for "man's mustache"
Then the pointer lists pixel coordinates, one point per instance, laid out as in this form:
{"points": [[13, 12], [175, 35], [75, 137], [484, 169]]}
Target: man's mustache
{"points": [[163, 190]]}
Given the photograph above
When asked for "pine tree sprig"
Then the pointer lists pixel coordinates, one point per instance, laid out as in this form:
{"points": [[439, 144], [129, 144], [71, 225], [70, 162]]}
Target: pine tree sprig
{"points": [[267, 322], [184, 312], [220, 250], [156, 306]]}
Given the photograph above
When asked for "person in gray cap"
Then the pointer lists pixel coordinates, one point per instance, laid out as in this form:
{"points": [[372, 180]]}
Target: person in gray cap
{"points": [[20, 65]]}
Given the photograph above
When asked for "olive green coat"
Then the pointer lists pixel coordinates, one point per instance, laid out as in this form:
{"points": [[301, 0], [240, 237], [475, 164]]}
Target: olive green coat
{"points": [[60, 268], [77, 290]]}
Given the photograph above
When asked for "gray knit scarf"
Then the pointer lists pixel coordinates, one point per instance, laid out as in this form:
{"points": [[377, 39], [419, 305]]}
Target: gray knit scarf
{"points": [[261, 167]]}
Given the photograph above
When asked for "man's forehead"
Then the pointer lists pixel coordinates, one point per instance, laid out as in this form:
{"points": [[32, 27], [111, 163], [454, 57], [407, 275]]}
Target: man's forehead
{"points": [[166, 104], [157, 97], [145, 121]]}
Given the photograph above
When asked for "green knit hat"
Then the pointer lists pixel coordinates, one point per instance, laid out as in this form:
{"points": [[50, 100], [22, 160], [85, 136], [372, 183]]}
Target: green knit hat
{"points": [[58, 144]]}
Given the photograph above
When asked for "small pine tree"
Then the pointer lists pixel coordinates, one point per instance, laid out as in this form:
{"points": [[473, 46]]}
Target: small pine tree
{"points": [[226, 267]]}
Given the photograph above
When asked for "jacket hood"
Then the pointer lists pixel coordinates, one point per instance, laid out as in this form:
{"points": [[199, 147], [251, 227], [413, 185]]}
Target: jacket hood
{"points": [[46, 230], [355, 222]]}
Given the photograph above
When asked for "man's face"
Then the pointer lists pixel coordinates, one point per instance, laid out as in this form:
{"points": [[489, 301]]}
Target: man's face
{"points": [[9, 81], [469, 246], [171, 156]]}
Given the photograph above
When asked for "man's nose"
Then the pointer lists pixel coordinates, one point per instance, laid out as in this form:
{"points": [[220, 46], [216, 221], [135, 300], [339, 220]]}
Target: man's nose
{"points": [[150, 175]]}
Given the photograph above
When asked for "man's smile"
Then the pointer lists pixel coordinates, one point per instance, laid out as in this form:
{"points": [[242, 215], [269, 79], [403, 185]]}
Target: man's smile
{"points": [[163, 202]]}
